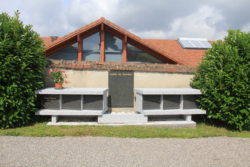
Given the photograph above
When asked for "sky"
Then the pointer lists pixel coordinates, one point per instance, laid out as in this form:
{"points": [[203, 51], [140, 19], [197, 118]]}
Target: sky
{"points": [[153, 19]]}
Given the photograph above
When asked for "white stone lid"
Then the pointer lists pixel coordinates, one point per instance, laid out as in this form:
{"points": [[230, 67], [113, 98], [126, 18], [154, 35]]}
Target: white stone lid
{"points": [[171, 91], [73, 91]]}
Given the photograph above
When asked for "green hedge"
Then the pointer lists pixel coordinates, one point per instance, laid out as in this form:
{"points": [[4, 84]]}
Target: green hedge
{"points": [[21, 71], [224, 79]]}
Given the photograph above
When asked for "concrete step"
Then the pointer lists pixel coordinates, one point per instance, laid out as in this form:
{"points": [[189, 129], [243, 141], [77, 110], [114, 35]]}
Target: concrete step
{"points": [[174, 124], [122, 118]]}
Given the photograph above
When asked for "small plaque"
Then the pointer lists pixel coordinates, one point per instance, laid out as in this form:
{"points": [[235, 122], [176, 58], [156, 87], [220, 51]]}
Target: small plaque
{"points": [[92, 102], [50, 102], [189, 101], [151, 102], [121, 85], [171, 102], [71, 102]]}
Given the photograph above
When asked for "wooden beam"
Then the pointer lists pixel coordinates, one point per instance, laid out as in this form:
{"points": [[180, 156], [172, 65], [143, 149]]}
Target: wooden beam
{"points": [[124, 49], [102, 49], [102, 27], [79, 54], [115, 32]]}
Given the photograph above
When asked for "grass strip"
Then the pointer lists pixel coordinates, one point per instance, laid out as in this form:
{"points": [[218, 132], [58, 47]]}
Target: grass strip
{"points": [[202, 130]]}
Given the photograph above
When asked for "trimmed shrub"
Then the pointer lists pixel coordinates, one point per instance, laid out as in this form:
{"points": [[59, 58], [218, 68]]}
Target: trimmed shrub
{"points": [[22, 65], [224, 79]]}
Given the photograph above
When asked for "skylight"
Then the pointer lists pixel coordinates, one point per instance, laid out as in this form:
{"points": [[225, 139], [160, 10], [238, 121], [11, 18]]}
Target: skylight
{"points": [[194, 43]]}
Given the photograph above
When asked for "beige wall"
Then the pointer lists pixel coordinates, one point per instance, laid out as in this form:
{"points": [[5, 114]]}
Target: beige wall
{"points": [[99, 79], [161, 80], [82, 78], [94, 79]]}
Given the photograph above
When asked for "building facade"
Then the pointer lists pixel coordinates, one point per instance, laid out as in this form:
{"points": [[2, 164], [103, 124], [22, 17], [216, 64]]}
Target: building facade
{"points": [[104, 55]]}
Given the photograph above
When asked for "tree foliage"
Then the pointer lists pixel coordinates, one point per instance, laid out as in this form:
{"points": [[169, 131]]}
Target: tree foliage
{"points": [[21, 71], [224, 79]]}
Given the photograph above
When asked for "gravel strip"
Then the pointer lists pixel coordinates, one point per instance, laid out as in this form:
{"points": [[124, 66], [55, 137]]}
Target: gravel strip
{"points": [[104, 151]]}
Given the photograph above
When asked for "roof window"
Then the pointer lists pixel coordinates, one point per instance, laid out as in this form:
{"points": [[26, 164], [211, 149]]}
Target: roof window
{"points": [[194, 43]]}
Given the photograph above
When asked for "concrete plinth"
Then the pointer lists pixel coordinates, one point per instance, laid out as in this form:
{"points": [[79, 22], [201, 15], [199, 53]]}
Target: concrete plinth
{"points": [[172, 124], [121, 118], [54, 118], [188, 118]]}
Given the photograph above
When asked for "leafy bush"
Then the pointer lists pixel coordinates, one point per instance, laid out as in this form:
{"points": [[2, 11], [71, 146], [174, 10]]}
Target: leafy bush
{"points": [[224, 79], [21, 71]]}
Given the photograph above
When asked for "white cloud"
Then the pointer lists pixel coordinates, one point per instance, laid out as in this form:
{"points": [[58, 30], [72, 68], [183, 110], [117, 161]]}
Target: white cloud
{"points": [[150, 19], [201, 23], [46, 16], [151, 34], [86, 11]]}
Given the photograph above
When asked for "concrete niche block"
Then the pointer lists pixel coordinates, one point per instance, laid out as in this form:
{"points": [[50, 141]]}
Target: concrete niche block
{"points": [[93, 102], [151, 102], [71, 102], [171, 102], [50, 101], [189, 101]]}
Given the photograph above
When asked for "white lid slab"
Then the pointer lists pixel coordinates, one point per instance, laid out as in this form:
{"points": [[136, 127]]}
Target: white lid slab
{"points": [[73, 91], [173, 91]]}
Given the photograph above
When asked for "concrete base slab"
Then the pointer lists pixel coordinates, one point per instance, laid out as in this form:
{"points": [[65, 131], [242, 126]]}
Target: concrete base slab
{"points": [[173, 124], [127, 110], [122, 118]]}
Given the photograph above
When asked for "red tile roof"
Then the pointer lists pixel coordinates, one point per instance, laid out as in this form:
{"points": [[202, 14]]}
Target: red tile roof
{"points": [[171, 49], [188, 57], [49, 40]]}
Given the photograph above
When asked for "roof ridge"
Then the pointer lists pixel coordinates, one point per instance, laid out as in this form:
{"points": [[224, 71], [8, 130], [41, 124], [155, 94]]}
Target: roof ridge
{"points": [[102, 18]]}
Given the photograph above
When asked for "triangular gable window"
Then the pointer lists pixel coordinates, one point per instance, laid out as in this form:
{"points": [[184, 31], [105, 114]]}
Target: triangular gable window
{"points": [[137, 55], [68, 53]]}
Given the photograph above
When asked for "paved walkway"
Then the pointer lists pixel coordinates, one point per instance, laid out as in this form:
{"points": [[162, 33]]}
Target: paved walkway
{"points": [[103, 151]]}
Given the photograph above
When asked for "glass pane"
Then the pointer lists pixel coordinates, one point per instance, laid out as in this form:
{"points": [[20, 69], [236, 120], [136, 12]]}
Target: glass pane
{"points": [[49, 101], [71, 102], [151, 102], [171, 102], [69, 53], [139, 56], [91, 48], [113, 48], [185, 44], [189, 101], [92, 102]]}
